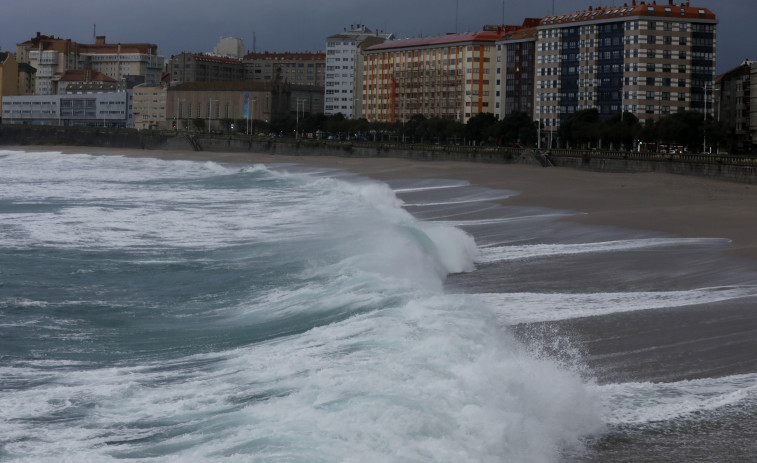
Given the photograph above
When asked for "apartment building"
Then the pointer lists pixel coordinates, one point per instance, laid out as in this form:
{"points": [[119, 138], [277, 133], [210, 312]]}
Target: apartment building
{"points": [[195, 67], [736, 105], [122, 60], [52, 56], [450, 76], [516, 71], [648, 59], [293, 68], [342, 83]]}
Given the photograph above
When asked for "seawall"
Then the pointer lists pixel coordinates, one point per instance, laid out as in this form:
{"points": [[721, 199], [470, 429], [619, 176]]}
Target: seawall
{"points": [[742, 169]]}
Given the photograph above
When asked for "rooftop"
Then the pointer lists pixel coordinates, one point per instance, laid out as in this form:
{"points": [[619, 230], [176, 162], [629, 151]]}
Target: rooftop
{"points": [[670, 10]]}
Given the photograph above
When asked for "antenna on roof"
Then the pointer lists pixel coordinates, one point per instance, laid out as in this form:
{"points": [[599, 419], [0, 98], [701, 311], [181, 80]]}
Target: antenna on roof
{"points": [[553, 7], [457, 8], [94, 33]]}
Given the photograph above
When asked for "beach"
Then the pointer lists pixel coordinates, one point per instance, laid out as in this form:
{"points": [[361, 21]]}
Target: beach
{"points": [[593, 231], [685, 206]]}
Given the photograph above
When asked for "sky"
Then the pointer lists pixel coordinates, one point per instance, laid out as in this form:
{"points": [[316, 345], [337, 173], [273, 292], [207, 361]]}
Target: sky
{"points": [[303, 25]]}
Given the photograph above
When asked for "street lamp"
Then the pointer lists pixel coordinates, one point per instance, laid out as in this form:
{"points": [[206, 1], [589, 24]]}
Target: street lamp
{"points": [[297, 110], [704, 126], [210, 103]]}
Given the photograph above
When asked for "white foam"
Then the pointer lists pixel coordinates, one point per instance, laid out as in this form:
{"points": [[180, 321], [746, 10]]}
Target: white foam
{"points": [[637, 403], [505, 253], [514, 308]]}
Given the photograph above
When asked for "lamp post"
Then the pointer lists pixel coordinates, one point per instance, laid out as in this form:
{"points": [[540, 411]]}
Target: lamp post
{"points": [[704, 127], [297, 110], [210, 103]]}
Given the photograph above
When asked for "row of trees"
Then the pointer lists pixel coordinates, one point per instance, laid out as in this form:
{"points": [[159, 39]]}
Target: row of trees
{"points": [[583, 129]]}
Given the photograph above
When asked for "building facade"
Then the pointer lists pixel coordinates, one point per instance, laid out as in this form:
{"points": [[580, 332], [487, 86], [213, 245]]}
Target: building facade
{"points": [[293, 68], [648, 59], [148, 106], [84, 81], [8, 75], [209, 105], [516, 71], [341, 55], [51, 57], [194, 67], [451, 76], [88, 110], [229, 47], [736, 105]]}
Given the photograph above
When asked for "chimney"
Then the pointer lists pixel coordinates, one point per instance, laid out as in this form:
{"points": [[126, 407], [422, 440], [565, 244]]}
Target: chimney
{"points": [[100, 40], [671, 3]]}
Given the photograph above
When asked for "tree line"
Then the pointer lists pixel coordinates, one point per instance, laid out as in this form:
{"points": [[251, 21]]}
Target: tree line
{"points": [[687, 130]]}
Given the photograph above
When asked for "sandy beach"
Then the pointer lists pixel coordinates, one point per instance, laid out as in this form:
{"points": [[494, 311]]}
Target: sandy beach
{"points": [[684, 206]]}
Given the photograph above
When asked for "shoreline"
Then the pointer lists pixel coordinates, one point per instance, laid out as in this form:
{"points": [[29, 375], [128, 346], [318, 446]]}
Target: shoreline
{"points": [[684, 206]]}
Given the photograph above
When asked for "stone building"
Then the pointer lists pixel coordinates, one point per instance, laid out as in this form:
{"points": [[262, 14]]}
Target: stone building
{"points": [[195, 67], [293, 68]]}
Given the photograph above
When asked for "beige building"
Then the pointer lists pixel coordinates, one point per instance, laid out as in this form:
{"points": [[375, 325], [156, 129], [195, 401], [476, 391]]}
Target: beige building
{"points": [[8, 75], [451, 76], [649, 59], [149, 106], [209, 105], [293, 68]]}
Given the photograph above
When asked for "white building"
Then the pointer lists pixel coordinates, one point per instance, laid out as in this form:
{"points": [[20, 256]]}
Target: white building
{"points": [[88, 110], [230, 47], [342, 82]]}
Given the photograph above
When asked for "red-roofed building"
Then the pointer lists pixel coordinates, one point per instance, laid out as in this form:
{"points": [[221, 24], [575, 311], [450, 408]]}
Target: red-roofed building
{"points": [[52, 57], [450, 76], [85, 81]]}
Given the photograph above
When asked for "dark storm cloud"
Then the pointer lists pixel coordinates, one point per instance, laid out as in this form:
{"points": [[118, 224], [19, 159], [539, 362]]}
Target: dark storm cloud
{"points": [[299, 25]]}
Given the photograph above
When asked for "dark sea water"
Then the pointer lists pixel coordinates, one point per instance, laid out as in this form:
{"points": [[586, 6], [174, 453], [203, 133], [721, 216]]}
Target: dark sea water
{"points": [[191, 311]]}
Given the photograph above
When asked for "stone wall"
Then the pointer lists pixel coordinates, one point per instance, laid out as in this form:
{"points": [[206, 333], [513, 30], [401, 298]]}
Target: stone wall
{"points": [[730, 168]]}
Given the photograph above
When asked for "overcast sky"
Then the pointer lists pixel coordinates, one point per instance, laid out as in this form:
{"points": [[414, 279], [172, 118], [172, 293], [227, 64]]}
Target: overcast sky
{"points": [[303, 25]]}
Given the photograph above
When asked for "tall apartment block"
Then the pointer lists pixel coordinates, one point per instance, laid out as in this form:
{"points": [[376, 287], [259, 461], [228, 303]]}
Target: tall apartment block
{"points": [[736, 105], [648, 59], [342, 83], [516, 71], [293, 68], [449, 76]]}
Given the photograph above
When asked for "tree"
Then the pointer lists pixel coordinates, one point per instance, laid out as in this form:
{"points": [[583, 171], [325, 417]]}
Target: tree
{"points": [[481, 127], [581, 127], [518, 128]]}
